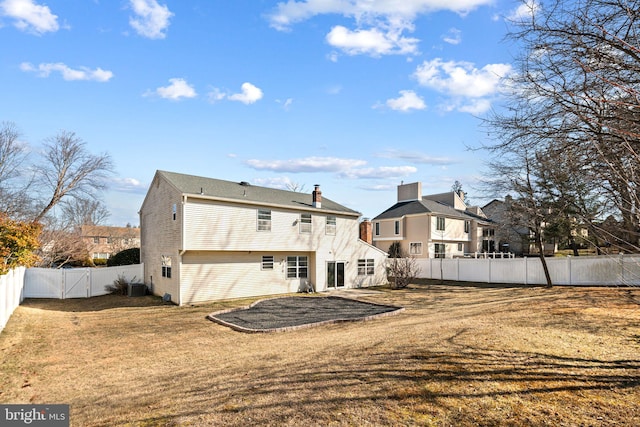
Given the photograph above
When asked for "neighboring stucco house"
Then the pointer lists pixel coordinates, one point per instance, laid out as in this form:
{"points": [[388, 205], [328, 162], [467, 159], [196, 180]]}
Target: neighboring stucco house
{"points": [[206, 239], [433, 226]]}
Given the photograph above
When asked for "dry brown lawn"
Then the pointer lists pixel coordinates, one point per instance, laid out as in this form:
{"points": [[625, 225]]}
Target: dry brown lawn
{"points": [[458, 355]]}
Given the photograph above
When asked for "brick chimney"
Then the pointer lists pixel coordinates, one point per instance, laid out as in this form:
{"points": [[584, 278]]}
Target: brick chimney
{"points": [[366, 231], [317, 196]]}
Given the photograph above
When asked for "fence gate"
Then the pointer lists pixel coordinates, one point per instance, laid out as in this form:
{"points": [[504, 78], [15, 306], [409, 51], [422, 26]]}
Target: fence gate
{"points": [[76, 283]]}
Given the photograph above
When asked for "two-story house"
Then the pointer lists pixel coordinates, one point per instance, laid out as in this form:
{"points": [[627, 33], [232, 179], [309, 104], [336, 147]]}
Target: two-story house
{"points": [[104, 241], [205, 239], [433, 226]]}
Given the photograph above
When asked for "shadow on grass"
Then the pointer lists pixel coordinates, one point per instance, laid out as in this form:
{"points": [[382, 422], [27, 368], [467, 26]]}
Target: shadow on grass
{"points": [[104, 302], [450, 383]]}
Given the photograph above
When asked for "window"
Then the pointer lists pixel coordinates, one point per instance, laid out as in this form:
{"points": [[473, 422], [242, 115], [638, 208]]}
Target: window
{"points": [[96, 240], [397, 227], [330, 225], [377, 227], [297, 267], [305, 223], [415, 248], [467, 226], [440, 250], [109, 240], [267, 262], [366, 267], [488, 232], [166, 266], [264, 220], [174, 211], [440, 223], [460, 247]]}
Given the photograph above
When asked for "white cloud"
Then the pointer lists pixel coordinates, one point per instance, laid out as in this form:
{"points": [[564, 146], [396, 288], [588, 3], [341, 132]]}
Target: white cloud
{"points": [[128, 185], [151, 19], [379, 172], [29, 16], [281, 183], [82, 73], [249, 94], [415, 157], [292, 11], [453, 36], [374, 42], [307, 164], [379, 24], [179, 88], [463, 82], [408, 100], [525, 12], [215, 95]]}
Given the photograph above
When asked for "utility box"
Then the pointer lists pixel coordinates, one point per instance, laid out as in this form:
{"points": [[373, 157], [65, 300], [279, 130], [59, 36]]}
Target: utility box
{"points": [[137, 289]]}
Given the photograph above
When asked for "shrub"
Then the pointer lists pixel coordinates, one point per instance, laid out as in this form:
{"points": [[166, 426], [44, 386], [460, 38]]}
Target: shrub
{"points": [[125, 257], [120, 286]]}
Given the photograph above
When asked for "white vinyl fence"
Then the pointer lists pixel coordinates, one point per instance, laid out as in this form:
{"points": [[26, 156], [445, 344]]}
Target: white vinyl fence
{"points": [[616, 270], [11, 285], [76, 282]]}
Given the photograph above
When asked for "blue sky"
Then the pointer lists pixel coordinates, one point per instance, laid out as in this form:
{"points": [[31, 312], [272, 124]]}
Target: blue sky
{"points": [[354, 95]]}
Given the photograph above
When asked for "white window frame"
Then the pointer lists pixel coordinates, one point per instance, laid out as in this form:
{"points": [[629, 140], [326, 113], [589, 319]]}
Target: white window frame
{"points": [[297, 267], [166, 266], [376, 227], [331, 225], [437, 253], [305, 223], [440, 223], [263, 220], [467, 226], [366, 267], [396, 228], [415, 248]]}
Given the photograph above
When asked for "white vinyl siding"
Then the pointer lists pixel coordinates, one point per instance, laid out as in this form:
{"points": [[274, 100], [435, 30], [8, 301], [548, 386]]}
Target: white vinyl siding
{"points": [[210, 276]]}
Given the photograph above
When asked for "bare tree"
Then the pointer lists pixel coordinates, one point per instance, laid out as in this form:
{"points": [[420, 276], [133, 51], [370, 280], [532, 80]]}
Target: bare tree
{"points": [[295, 186], [14, 183], [69, 170], [77, 212], [574, 109], [402, 268]]}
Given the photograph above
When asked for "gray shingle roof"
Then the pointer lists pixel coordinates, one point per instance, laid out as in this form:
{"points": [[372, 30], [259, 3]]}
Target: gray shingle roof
{"points": [[245, 192], [413, 207]]}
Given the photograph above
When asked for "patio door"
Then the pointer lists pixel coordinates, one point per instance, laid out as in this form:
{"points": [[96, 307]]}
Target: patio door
{"points": [[335, 274]]}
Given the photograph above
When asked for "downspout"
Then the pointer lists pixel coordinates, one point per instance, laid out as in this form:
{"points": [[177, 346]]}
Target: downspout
{"points": [[182, 249]]}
